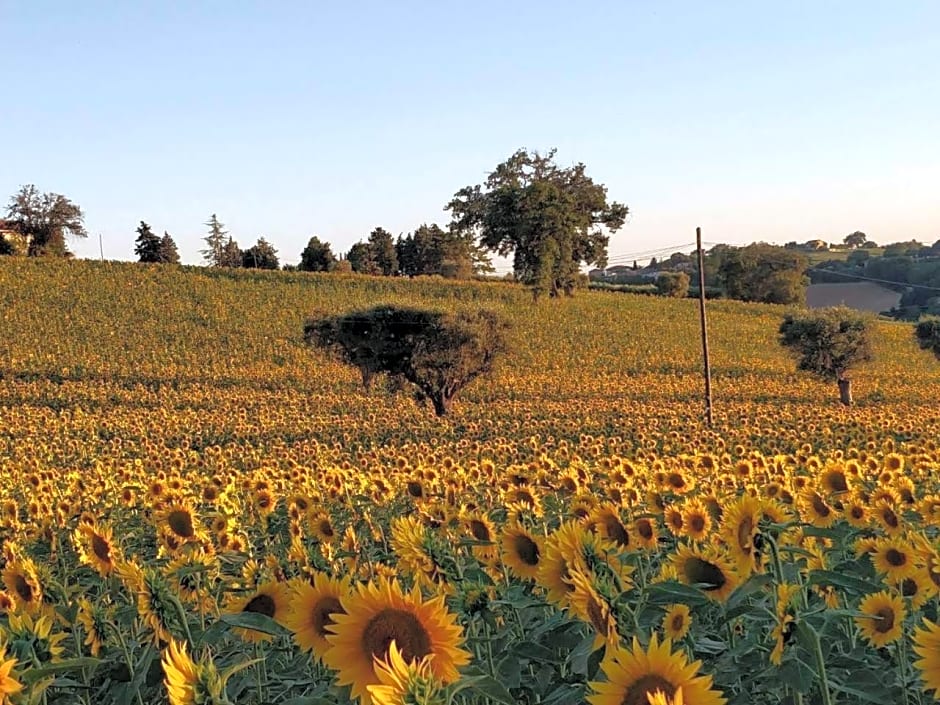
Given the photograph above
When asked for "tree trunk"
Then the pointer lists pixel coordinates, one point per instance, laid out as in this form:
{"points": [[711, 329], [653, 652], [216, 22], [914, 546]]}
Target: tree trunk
{"points": [[367, 375], [441, 404], [845, 391]]}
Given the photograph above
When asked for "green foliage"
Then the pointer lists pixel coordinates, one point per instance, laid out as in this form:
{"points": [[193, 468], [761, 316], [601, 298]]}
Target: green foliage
{"points": [[383, 252], [439, 353], [927, 333], [827, 342], [550, 219], [261, 255], [147, 245], [317, 256], [856, 239], [675, 284], [362, 259], [431, 250], [231, 255], [763, 273], [215, 242], [45, 219], [168, 252]]}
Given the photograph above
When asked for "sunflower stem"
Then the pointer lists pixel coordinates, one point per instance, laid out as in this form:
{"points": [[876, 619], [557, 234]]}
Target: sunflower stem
{"points": [[820, 667]]}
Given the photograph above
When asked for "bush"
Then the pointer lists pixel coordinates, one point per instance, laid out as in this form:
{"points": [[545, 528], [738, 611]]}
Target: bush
{"points": [[675, 284], [927, 333], [439, 353]]}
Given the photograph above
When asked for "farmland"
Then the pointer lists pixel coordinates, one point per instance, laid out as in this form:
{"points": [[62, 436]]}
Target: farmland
{"points": [[195, 505]]}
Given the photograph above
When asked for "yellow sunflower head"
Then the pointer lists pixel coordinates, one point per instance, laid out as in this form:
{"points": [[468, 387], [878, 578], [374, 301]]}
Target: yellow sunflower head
{"points": [[883, 619], [312, 606]]}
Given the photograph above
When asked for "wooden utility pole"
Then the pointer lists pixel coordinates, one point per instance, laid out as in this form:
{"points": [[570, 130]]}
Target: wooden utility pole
{"points": [[101, 245], [701, 310]]}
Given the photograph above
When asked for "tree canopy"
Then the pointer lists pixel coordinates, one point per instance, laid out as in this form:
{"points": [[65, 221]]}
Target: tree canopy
{"points": [[261, 255], [439, 353], [550, 219], [317, 256], [215, 242], [147, 245], [45, 219], [828, 342], [761, 272]]}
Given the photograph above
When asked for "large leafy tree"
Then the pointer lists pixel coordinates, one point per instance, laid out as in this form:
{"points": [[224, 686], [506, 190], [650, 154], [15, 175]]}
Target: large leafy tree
{"points": [[317, 256], [45, 219], [362, 259], [261, 255], [147, 245], [383, 251], [550, 219], [761, 272]]}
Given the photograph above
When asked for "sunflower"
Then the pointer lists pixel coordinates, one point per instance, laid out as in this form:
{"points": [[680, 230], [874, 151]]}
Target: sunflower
{"points": [[311, 610], [521, 551], [738, 529], [633, 675], [660, 698], [856, 513], [46, 645], [321, 526], [888, 518], [883, 619], [646, 534], [677, 621], [927, 646], [833, 480], [380, 613], [95, 546], [270, 599], [402, 683], [610, 526], [188, 682], [696, 521], [22, 583], [479, 528], [588, 605], [707, 569], [917, 587], [93, 619], [8, 684], [816, 510], [178, 522], [894, 557], [155, 598]]}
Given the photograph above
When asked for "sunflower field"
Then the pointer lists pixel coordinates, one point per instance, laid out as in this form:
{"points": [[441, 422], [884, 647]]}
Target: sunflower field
{"points": [[195, 507]]}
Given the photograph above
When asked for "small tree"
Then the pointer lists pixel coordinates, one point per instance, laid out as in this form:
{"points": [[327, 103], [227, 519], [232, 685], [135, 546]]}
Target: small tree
{"points": [[828, 343], [168, 252], [383, 251], [231, 255], [147, 245], [675, 284], [215, 242], [439, 353], [927, 333], [45, 219], [362, 259], [317, 257], [261, 255]]}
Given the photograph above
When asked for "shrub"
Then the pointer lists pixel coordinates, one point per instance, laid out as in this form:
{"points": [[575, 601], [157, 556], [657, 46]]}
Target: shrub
{"points": [[927, 333], [675, 284]]}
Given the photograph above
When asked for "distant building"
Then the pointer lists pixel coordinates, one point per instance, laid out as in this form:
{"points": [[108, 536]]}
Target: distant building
{"points": [[816, 245]]}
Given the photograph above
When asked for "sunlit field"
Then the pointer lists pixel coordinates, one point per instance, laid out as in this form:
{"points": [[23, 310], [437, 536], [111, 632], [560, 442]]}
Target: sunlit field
{"points": [[196, 506]]}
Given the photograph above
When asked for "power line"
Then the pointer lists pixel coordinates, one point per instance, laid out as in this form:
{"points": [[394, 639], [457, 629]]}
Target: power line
{"points": [[879, 281]]}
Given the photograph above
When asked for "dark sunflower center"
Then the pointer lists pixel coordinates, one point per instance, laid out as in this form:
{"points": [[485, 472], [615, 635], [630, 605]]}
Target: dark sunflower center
{"points": [[23, 588], [885, 621], [479, 530], [701, 572], [100, 548], [323, 613], [676, 481], [415, 489], [857, 512], [326, 528], [909, 587], [596, 615], [400, 626], [895, 558], [526, 549], [890, 518], [821, 508], [638, 693], [837, 482], [645, 529], [262, 604], [677, 622], [616, 531], [181, 521], [697, 523]]}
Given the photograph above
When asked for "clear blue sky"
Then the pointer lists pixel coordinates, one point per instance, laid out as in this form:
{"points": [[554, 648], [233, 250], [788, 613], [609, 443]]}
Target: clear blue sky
{"points": [[756, 120]]}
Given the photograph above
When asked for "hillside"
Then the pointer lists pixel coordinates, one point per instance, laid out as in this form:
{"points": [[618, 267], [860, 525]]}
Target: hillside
{"points": [[225, 348]]}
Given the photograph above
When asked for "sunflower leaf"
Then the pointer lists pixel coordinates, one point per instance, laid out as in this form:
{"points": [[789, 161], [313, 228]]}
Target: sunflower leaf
{"points": [[856, 586], [255, 621]]}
